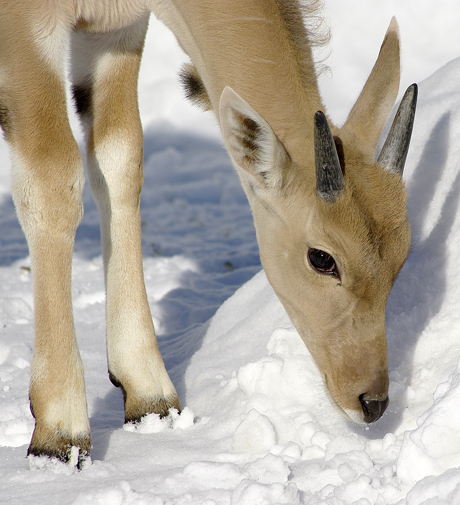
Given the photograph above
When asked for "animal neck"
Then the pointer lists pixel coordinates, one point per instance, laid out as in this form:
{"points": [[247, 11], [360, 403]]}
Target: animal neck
{"points": [[261, 50]]}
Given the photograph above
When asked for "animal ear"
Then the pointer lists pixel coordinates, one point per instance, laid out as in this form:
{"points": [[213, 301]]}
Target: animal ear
{"points": [[250, 141], [373, 107]]}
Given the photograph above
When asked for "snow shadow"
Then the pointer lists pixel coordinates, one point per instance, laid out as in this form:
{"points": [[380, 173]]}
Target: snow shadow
{"points": [[108, 417], [179, 168], [193, 205], [420, 289], [13, 244]]}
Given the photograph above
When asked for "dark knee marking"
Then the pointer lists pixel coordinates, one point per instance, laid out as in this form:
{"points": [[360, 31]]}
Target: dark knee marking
{"points": [[194, 87], [82, 95]]}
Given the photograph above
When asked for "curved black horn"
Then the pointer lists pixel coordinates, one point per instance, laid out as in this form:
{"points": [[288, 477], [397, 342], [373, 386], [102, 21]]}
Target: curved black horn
{"points": [[394, 151], [329, 175]]}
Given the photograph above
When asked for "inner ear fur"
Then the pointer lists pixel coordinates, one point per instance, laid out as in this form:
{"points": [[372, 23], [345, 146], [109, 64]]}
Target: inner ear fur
{"points": [[251, 142]]}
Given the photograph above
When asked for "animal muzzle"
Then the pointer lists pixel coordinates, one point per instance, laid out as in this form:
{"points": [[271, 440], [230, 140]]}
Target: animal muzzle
{"points": [[368, 406]]}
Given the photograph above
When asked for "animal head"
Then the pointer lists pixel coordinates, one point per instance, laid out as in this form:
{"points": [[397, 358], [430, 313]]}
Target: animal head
{"points": [[332, 227]]}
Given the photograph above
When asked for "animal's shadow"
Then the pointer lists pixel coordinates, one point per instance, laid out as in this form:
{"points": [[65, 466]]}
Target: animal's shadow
{"points": [[420, 288]]}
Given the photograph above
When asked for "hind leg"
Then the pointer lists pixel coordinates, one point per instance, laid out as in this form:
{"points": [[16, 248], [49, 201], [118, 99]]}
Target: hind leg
{"points": [[105, 90], [47, 184]]}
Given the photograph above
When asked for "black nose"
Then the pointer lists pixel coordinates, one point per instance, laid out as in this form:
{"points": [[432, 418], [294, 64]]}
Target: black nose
{"points": [[373, 409]]}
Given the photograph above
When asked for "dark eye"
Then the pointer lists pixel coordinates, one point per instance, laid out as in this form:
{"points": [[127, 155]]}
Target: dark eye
{"points": [[323, 262]]}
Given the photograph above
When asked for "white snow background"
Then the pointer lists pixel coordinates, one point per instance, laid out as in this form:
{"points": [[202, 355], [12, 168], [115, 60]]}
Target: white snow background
{"points": [[257, 427]]}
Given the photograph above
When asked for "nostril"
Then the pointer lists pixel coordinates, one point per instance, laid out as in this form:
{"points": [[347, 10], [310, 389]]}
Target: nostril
{"points": [[373, 409]]}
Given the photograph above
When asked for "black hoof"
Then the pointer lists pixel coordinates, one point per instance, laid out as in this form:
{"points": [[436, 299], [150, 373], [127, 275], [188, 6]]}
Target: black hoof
{"points": [[60, 448]]}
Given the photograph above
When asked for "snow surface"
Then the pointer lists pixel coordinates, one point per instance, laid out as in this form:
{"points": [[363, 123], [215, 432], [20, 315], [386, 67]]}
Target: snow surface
{"points": [[257, 427]]}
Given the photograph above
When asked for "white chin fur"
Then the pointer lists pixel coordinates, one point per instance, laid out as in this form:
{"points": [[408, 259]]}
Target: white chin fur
{"points": [[353, 415]]}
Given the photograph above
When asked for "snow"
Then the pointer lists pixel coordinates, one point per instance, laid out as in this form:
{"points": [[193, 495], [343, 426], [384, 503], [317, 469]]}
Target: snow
{"points": [[257, 425]]}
